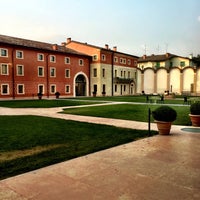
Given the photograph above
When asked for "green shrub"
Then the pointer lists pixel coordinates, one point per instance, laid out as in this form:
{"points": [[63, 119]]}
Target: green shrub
{"points": [[195, 108], [164, 113]]}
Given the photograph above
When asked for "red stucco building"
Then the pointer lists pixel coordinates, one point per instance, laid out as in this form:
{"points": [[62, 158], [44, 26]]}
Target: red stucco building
{"points": [[29, 67]]}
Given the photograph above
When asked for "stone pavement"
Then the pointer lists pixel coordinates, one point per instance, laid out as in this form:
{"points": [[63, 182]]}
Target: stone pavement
{"points": [[155, 168]]}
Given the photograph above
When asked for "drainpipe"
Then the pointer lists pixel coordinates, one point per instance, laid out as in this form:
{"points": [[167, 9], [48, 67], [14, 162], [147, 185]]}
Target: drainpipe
{"points": [[13, 74], [47, 68], [112, 68]]}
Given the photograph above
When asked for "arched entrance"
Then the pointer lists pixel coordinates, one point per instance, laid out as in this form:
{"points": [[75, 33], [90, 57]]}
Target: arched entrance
{"points": [[80, 85]]}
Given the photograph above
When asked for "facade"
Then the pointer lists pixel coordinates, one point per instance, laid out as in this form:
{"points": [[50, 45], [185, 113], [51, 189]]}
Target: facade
{"points": [[168, 72], [112, 73], [29, 67]]}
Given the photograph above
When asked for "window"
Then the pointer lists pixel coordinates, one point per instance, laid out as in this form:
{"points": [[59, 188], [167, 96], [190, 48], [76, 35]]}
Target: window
{"points": [[129, 62], [4, 69], [67, 89], [115, 73], [40, 57], [41, 89], [19, 54], [157, 64], [124, 88], [4, 52], [95, 72], [124, 74], [124, 61], [20, 89], [40, 71], [103, 72], [52, 58], [121, 73], [95, 88], [115, 88], [52, 72], [20, 70], [4, 89], [182, 63], [67, 60], [103, 57], [81, 62], [129, 74], [171, 64], [94, 57], [104, 88], [116, 59], [53, 89], [121, 60], [67, 73]]}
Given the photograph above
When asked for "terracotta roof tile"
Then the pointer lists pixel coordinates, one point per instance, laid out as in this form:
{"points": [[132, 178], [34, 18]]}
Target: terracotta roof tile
{"points": [[37, 45]]}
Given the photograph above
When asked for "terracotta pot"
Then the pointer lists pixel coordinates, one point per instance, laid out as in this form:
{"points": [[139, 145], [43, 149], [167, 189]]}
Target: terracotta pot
{"points": [[164, 127], [195, 119]]}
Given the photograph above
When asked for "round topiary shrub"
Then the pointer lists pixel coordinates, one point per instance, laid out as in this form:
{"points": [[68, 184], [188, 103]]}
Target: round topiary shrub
{"points": [[164, 113], [195, 108]]}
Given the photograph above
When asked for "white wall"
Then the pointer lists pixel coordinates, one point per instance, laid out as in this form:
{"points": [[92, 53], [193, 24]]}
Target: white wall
{"points": [[149, 81], [161, 80], [174, 80]]}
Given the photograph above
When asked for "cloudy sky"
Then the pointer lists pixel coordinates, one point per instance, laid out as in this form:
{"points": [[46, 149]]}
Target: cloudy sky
{"points": [[134, 26]]}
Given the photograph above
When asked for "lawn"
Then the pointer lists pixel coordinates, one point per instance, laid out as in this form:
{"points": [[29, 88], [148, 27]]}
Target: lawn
{"points": [[45, 103], [130, 112], [31, 142]]}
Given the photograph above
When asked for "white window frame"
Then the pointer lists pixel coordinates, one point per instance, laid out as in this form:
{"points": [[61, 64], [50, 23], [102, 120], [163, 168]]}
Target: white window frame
{"points": [[42, 71], [40, 55], [18, 89], [5, 64], [22, 54], [67, 86], [129, 61], [103, 57], [8, 91], [42, 88], [54, 58], [67, 73], [81, 62], [52, 85], [53, 68], [116, 59], [67, 60], [18, 71], [3, 49], [95, 57]]}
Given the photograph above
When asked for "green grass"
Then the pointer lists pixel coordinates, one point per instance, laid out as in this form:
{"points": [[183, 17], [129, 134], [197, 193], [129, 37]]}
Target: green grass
{"points": [[129, 112], [44, 103], [30, 142]]}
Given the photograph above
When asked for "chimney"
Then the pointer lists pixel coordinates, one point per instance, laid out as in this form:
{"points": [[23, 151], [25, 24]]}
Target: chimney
{"points": [[55, 47], [69, 40], [115, 48], [167, 55], [144, 57], [106, 46], [63, 44]]}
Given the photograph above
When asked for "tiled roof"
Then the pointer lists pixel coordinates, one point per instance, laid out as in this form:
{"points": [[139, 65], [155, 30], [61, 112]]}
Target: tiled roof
{"points": [[157, 58], [36, 45], [102, 48]]}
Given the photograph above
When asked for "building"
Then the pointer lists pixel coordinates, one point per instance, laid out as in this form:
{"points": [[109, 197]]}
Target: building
{"points": [[112, 73], [29, 67], [167, 72]]}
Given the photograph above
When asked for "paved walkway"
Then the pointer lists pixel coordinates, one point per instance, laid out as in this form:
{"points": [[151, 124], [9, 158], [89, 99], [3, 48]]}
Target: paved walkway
{"points": [[155, 168]]}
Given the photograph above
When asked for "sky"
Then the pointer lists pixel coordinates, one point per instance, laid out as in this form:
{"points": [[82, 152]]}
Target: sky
{"points": [[136, 27]]}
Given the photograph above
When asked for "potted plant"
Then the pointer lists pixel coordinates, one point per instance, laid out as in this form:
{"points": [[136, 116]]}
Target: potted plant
{"points": [[104, 93], [57, 95], [164, 116], [39, 95], [94, 93], [195, 113]]}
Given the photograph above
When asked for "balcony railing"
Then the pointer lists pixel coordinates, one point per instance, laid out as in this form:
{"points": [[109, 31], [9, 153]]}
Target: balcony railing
{"points": [[123, 80]]}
